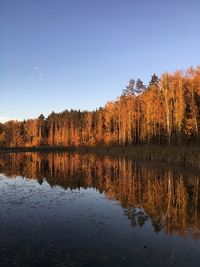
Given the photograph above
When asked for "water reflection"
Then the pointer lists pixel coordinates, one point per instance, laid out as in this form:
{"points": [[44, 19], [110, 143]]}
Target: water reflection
{"points": [[168, 197]]}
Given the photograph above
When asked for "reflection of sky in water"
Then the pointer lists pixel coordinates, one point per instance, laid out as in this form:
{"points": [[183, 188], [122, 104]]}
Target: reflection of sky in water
{"points": [[40, 220]]}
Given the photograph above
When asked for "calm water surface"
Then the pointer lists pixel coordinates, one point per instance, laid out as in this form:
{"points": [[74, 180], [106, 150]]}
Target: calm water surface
{"points": [[59, 209]]}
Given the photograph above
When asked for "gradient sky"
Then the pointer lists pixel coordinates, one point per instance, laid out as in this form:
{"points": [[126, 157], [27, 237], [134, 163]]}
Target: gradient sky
{"points": [[63, 54]]}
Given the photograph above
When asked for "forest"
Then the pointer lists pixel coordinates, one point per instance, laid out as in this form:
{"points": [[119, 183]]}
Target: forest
{"points": [[166, 111]]}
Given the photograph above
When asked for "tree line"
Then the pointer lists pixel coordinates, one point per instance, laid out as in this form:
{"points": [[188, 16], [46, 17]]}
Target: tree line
{"points": [[166, 111]]}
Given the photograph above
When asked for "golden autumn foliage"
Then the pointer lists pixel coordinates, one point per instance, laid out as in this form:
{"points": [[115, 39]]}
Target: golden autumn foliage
{"points": [[165, 111]]}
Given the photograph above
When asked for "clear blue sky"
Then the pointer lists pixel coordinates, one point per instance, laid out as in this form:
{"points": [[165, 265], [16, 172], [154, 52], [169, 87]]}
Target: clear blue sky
{"points": [[63, 54]]}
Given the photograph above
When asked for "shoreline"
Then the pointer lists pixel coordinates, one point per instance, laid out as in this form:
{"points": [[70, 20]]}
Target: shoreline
{"points": [[187, 155]]}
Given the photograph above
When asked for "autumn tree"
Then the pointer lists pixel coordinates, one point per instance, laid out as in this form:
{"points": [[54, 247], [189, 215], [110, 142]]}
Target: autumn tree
{"points": [[165, 111]]}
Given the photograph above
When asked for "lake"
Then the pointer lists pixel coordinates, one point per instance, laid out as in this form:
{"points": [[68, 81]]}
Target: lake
{"points": [[62, 209]]}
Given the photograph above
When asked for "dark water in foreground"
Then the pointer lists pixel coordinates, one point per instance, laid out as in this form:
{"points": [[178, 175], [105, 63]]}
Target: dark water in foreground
{"points": [[82, 210]]}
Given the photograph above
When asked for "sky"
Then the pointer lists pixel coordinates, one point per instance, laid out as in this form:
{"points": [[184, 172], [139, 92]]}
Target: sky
{"points": [[80, 54]]}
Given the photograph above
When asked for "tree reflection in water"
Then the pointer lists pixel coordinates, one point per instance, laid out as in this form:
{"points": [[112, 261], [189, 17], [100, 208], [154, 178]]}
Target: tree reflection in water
{"points": [[168, 197]]}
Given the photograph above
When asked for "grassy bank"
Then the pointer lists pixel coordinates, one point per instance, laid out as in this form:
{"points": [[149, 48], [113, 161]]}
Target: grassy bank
{"points": [[187, 155]]}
